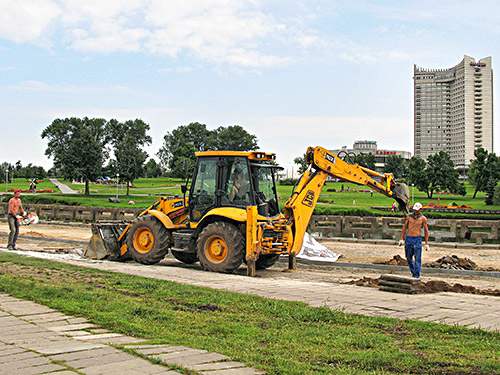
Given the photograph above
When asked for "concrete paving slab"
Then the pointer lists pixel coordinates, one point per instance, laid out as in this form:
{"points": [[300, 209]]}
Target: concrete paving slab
{"points": [[98, 360], [117, 367], [71, 327], [99, 336], [192, 360], [170, 357], [217, 366], [92, 353], [63, 347], [233, 371], [35, 370], [158, 349]]}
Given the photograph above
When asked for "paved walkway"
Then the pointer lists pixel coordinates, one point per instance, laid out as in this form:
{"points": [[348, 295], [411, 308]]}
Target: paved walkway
{"points": [[65, 189], [35, 339]]}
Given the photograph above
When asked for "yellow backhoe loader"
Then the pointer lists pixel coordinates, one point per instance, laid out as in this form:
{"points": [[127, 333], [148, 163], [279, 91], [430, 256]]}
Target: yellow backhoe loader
{"points": [[230, 213]]}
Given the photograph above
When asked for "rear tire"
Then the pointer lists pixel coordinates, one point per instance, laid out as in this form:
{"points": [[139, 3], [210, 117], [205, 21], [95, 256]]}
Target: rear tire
{"points": [[188, 258], [148, 240], [266, 261], [221, 247]]}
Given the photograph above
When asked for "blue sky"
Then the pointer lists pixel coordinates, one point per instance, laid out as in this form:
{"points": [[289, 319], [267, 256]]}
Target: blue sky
{"points": [[294, 73]]}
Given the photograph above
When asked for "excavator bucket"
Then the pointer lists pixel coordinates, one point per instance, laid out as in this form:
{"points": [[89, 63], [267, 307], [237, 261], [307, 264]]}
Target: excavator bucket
{"points": [[401, 193], [104, 243]]}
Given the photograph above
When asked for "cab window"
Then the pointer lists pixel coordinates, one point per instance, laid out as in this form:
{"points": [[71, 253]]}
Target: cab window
{"points": [[237, 188], [203, 193]]}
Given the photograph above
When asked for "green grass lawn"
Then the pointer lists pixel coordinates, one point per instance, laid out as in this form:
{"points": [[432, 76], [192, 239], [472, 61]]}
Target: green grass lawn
{"points": [[278, 337], [24, 184], [146, 191]]}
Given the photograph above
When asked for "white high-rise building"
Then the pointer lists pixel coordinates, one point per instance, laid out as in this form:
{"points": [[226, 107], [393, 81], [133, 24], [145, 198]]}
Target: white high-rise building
{"points": [[453, 110]]}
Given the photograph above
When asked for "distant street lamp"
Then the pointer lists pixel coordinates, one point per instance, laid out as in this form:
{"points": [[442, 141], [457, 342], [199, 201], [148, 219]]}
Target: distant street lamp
{"points": [[117, 177], [412, 193], [6, 178]]}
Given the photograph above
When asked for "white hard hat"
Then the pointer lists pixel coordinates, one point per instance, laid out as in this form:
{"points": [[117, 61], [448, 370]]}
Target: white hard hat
{"points": [[417, 206]]}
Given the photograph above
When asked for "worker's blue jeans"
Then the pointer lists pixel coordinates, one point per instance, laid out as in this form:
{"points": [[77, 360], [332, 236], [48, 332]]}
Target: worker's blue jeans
{"points": [[413, 252]]}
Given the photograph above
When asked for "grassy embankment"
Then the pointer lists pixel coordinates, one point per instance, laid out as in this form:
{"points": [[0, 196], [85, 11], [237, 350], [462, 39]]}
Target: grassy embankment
{"points": [[278, 337]]}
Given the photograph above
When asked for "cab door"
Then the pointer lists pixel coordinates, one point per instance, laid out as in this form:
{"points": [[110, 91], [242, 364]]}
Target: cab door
{"points": [[203, 195]]}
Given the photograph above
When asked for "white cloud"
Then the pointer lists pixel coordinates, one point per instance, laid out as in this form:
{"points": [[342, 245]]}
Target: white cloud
{"points": [[223, 31], [25, 21]]}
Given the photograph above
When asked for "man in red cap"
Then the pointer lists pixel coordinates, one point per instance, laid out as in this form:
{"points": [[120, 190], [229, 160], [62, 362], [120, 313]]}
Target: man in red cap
{"points": [[15, 205]]}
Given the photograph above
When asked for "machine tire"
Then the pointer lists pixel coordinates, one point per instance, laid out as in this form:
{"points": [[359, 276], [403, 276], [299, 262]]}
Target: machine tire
{"points": [[266, 261], [221, 247], [148, 240], [188, 258]]}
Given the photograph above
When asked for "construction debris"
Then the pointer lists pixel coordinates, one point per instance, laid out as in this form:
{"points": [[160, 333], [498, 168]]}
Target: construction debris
{"points": [[396, 260], [452, 262]]}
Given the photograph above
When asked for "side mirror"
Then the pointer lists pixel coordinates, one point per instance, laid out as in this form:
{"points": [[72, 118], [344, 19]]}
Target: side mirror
{"points": [[184, 189]]}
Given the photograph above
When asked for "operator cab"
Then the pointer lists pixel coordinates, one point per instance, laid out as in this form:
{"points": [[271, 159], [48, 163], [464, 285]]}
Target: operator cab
{"points": [[233, 179]]}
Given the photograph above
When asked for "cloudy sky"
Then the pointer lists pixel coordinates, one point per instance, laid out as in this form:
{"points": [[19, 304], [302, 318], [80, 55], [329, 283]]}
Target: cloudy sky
{"points": [[294, 73]]}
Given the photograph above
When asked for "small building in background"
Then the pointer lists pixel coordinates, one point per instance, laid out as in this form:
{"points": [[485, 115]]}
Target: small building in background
{"points": [[367, 147]]}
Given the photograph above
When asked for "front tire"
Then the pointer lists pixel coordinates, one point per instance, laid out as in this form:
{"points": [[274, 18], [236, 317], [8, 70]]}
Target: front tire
{"points": [[148, 240], [221, 247]]}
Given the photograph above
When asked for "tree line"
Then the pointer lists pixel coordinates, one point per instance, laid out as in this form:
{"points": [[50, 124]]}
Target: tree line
{"points": [[17, 170], [87, 149]]}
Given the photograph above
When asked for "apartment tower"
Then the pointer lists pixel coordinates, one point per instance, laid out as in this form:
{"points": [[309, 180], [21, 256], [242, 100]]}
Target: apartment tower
{"points": [[453, 110]]}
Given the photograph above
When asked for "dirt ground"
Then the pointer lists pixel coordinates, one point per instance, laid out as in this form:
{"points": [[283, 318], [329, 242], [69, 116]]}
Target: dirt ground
{"points": [[351, 252]]}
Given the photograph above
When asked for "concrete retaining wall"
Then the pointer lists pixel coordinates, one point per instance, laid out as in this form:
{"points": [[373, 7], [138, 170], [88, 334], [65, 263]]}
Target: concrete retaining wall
{"points": [[390, 227], [77, 213], [322, 225]]}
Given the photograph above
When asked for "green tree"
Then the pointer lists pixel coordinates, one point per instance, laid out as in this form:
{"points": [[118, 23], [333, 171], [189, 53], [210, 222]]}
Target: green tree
{"points": [[195, 133], [6, 170], [302, 163], [438, 174], [490, 191], [175, 147], [152, 169], [78, 147], [417, 175], [365, 160], [484, 167], [496, 195], [127, 140], [182, 161], [233, 138], [396, 165]]}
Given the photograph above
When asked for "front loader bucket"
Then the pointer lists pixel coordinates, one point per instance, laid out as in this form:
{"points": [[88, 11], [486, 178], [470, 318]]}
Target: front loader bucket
{"points": [[96, 248], [105, 243], [401, 193]]}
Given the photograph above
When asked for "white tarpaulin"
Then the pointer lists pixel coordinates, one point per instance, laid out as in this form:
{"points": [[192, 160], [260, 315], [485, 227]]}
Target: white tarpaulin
{"points": [[313, 250]]}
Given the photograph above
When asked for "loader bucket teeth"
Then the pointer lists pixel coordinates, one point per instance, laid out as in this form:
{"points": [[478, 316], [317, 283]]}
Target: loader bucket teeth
{"points": [[401, 194]]}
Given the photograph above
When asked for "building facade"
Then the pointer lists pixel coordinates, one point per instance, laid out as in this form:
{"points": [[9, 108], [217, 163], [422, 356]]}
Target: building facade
{"points": [[367, 147], [453, 110]]}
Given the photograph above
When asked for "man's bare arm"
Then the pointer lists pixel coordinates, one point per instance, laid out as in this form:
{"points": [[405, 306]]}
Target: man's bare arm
{"points": [[404, 228], [426, 231]]}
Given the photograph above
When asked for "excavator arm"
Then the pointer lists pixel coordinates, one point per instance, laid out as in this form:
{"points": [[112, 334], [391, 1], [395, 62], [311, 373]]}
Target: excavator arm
{"points": [[323, 163]]}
